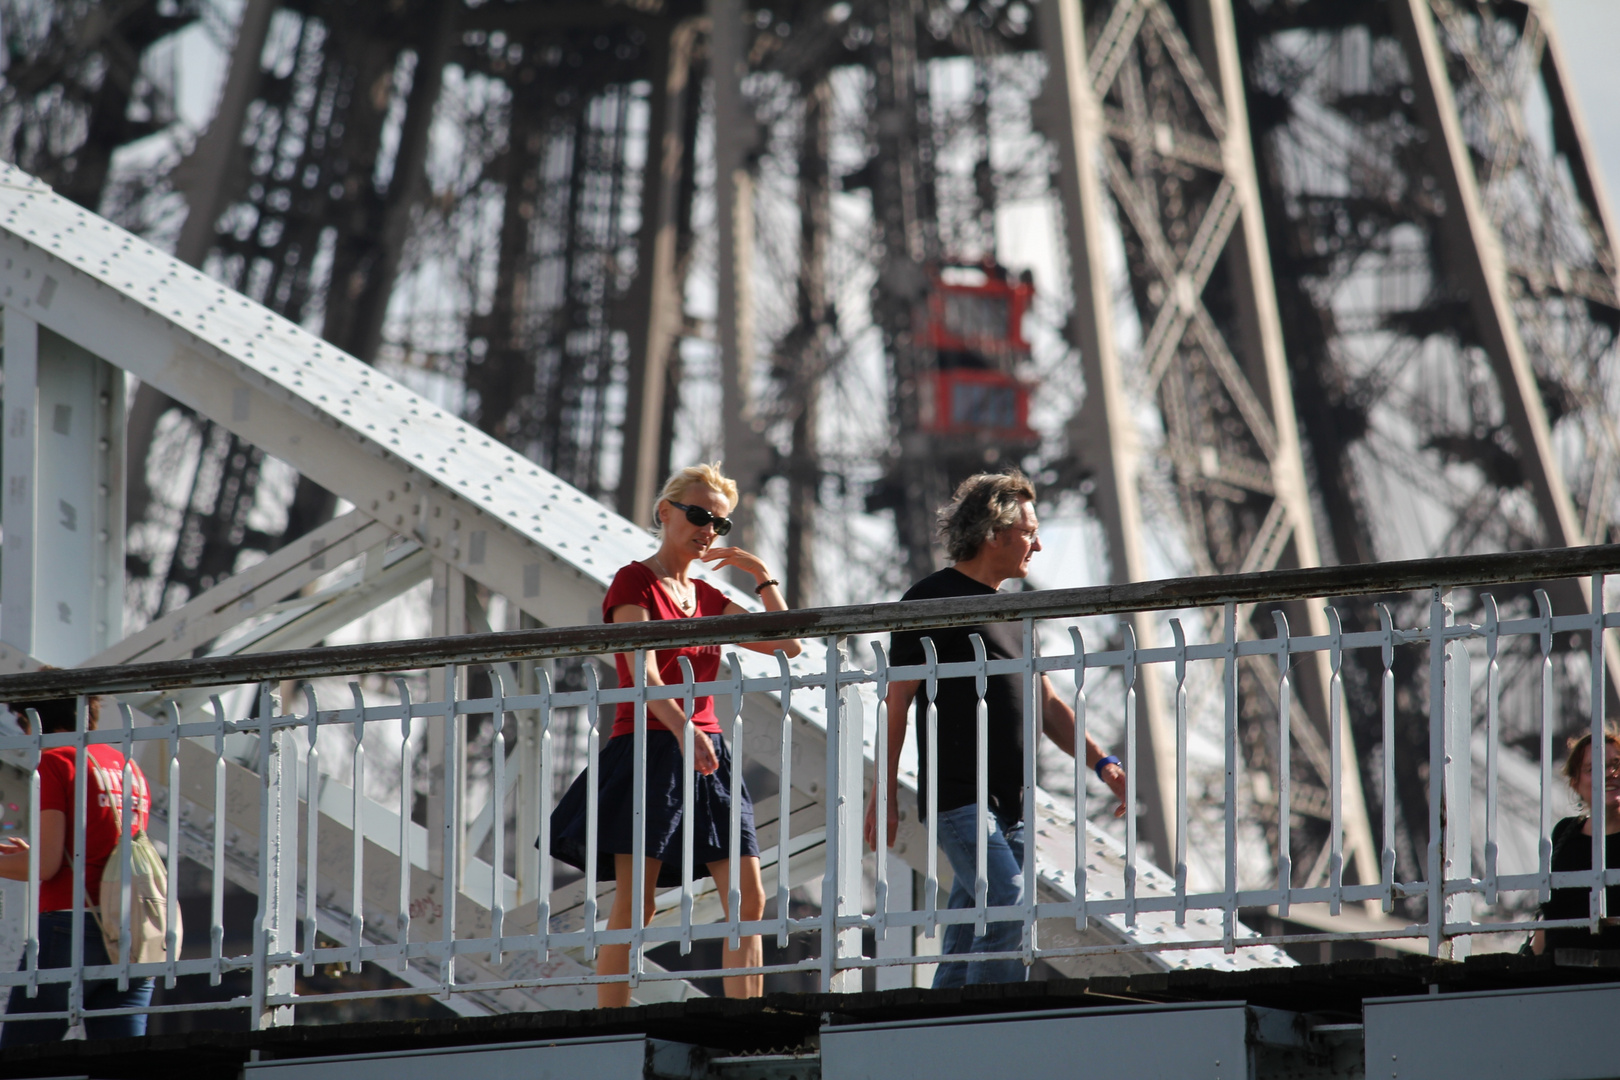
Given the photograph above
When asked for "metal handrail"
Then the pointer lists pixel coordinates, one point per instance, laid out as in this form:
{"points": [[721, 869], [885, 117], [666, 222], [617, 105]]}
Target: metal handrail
{"points": [[1273, 586]]}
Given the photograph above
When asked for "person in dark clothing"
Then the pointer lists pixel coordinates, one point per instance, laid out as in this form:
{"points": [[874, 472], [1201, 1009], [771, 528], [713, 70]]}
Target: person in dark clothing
{"points": [[991, 534], [1572, 850]]}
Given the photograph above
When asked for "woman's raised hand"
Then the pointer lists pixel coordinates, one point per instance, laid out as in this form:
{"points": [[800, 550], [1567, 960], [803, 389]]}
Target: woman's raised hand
{"points": [[746, 561]]}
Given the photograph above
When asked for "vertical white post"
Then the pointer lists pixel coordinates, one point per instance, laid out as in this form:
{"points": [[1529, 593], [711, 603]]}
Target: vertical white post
{"points": [[1459, 791], [17, 566], [445, 750], [78, 596], [278, 871], [841, 886], [899, 941]]}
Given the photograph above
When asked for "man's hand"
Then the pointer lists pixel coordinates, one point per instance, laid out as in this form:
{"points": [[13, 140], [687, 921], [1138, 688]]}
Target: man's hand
{"points": [[13, 845], [1114, 776], [870, 830]]}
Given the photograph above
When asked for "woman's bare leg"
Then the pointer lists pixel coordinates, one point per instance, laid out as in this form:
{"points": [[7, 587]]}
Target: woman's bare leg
{"points": [[750, 951], [615, 959]]}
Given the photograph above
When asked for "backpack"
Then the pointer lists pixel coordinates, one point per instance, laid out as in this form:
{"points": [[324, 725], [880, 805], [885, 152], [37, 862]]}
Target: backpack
{"points": [[148, 882]]}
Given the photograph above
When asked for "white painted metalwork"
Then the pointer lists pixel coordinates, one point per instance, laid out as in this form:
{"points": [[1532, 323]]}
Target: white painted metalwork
{"points": [[467, 941], [433, 497]]}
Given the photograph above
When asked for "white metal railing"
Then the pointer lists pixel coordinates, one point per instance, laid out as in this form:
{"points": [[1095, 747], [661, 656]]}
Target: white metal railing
{"points": [[278, 814]]}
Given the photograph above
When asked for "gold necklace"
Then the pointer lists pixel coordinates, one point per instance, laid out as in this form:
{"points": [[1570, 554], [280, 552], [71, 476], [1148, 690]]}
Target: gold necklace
{"points": [[685, 603]]}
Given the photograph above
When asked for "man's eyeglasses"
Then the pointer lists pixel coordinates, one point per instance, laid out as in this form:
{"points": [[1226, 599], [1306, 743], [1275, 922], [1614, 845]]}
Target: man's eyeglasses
{"points": [[701, 517]]}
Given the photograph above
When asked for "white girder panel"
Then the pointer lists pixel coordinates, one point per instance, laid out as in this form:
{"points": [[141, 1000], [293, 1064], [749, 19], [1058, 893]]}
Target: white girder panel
{"points": [[492, 514]]}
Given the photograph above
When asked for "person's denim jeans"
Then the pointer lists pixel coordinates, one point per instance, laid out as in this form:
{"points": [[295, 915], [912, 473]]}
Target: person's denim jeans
{"points": [[56, 951], [1004, 877]]}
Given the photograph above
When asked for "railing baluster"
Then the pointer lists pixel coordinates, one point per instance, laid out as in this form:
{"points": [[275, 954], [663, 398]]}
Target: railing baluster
{"points": [[1386, 857], [454, 748], [1544, 831], [593, 707], [1285, 773], [542, 678], [1436, 914], [688, 795], [1336, 763], [734, 844], [80, 804], [880, 788], [312, 820], [1181, 771], [126, 840], [981, 787], [1229, 779], [1493, 739], [407, 785], [1128, 673], [931, 772], [783, 878], [357, 833], [1080, 771], [216, 916], [31, 916], [171, 940], [497, 805], [1598, 757], [1032, 732]]}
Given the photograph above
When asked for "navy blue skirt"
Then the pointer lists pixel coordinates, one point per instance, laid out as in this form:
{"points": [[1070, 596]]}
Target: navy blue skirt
{"points": [[711, 812]]}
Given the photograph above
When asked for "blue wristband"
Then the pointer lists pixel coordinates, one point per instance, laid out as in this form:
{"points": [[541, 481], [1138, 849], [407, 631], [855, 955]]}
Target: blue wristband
{"points": [[1109, 760]]}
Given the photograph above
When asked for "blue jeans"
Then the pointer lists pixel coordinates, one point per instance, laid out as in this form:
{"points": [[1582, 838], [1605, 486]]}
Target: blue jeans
{"points": [[56, 951], [1004, 877]]}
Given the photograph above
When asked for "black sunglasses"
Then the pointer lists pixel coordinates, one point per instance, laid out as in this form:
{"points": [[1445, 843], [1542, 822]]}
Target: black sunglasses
{"points": [[701, 517]]}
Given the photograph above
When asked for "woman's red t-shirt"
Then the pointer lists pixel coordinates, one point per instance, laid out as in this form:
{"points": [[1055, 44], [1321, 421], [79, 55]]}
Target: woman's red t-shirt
{"points": [[56, 768], [636, 584]]}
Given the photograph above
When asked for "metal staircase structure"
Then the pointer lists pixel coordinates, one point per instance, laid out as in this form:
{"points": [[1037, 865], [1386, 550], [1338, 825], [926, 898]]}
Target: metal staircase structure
{"points": [[86, 305]]}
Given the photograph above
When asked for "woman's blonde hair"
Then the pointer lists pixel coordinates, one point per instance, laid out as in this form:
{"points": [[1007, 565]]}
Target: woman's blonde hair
{"points": [[682, 480]]}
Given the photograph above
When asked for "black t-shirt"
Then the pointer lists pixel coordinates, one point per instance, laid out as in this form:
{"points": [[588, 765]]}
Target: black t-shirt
{"points": [[1572, 850], [957, 703]]}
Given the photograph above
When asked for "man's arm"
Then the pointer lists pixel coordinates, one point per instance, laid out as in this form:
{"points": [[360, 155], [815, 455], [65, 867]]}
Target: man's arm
{"points": [[1057, 720], [898, 700]]}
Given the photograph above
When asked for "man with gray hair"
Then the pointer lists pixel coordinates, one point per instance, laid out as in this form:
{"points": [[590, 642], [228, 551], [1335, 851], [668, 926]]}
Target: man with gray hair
{"points": [[990, 534]]}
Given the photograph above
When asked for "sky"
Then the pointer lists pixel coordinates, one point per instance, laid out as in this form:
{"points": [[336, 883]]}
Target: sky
{"points": [[1589, 31]]}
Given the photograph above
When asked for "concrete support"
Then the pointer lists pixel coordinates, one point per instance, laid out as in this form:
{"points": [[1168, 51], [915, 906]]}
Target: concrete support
{"points": [[657, 293], [64, 511], [735, 131]]}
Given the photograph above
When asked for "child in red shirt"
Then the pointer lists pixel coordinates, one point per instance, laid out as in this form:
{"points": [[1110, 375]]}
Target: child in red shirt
{"points": [[56, 830]]}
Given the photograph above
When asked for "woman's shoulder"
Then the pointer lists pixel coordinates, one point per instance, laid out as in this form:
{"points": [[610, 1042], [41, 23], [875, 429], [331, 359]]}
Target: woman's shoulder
{"points": [[630, 581], [634, 572]]}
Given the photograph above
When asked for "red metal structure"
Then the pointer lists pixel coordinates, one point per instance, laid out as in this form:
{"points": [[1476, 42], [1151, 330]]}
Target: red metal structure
{"points": [[973, 321]]}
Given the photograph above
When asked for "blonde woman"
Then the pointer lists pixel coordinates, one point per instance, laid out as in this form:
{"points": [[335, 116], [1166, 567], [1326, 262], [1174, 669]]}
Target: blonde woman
{"points": [[692, 512]]}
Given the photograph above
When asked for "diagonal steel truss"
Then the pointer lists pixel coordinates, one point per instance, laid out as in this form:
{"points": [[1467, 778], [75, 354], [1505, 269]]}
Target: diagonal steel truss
{"points": [[1143, 114]]}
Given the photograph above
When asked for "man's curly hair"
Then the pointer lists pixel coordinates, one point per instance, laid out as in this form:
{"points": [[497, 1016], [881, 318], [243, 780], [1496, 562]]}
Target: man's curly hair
{"points": [[984, 504]]}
